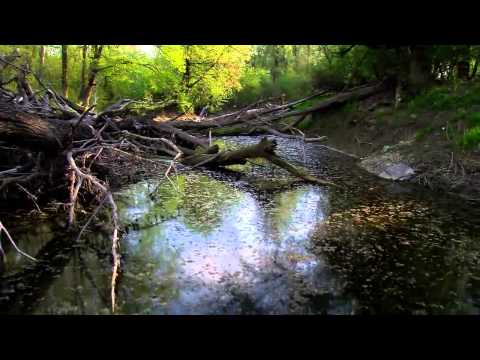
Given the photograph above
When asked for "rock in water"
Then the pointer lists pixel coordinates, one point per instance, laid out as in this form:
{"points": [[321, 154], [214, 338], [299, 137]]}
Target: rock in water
{"points": [[399, 171]]}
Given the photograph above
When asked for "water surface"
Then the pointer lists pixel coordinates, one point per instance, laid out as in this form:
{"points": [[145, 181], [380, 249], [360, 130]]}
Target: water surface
{"points": [[255, 241]]}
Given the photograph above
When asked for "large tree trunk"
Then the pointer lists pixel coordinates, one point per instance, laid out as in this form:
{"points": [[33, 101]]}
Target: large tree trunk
{"points": [[420, 67], [65, 70], [36, 133], [92, 76]]}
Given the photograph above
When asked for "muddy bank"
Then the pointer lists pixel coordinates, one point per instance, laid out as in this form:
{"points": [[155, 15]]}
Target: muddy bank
{"points": [[403, 146]]}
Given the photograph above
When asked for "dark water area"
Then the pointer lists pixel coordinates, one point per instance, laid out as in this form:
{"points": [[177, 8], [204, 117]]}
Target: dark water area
{"points": [[254, 240]]}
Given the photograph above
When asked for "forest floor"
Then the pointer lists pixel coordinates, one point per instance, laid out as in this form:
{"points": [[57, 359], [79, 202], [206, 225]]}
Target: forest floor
{"points": [[423, 139]]}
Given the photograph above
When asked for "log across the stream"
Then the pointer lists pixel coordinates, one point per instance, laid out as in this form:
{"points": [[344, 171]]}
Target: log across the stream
{"points": [[264, 149]]}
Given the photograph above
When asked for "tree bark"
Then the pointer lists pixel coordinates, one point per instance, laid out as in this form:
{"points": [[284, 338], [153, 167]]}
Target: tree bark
{"points": [[474, 70], [65, 70], [420, 64], [41, 61], [264, 149], [337, 100], [93, 71], [36, 133], [83, 79]]}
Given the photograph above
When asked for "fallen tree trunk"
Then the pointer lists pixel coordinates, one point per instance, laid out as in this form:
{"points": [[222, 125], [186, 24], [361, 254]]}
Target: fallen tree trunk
{"points": [[278, 113], [37, 133], [194, 140], [336, 101], [239, 116], [264, 149]]}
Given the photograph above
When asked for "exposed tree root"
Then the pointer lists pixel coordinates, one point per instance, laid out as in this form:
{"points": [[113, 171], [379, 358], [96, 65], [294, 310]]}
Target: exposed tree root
{"points": [[5, 231], [109, 198]]}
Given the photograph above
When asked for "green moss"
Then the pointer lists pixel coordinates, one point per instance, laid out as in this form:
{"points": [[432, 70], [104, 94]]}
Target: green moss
{"points": [[312, 102]]}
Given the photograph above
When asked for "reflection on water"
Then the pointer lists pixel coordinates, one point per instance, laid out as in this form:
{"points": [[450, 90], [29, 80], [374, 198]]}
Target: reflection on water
{"points": [[216, 242], [254, 244]]}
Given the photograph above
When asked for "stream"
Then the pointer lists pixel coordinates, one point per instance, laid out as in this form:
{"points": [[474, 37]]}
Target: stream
{"points": [[253, 240]]}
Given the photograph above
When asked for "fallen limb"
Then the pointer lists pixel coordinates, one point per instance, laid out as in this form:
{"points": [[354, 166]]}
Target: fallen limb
{"points": [[296, 171], [340, 151], [335, 101], [295, 123], [264, 149], [4, 229]]}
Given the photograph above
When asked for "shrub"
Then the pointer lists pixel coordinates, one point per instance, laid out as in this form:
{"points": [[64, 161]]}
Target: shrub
{"points": [[446, 98], [295, 85], [473, 119]]}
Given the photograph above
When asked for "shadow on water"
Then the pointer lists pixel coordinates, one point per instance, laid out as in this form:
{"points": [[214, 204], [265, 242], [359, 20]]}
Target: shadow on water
{"points": [[251, 240]]}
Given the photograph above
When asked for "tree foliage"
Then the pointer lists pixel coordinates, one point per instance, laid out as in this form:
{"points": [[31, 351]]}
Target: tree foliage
{"points": [[195, 76]]}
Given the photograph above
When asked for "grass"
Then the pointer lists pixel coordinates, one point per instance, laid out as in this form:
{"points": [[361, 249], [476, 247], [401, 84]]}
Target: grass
{"points": [[471, 138], [461, 101], [443, 98]]}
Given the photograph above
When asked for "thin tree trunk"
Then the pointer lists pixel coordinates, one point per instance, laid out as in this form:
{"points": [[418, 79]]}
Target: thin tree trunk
{"points": [[308, 57], [296, 56], [65, 70], [41, 60], [84, 70], [276, 64], [474, 70], [34, 54], [92, 76]]}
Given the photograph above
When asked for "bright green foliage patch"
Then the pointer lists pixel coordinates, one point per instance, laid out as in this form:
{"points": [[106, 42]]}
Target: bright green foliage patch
{"points": [[446, 98], [471, 138]]}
